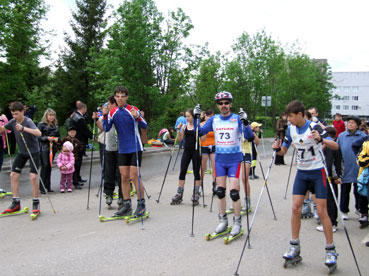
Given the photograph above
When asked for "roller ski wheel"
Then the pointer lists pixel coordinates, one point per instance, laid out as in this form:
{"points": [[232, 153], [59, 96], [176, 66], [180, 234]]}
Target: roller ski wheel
{"points": [[35, 215], [115, 195], [177, 199], [7, 214], [4, 194], [208, 171], [230, 238], [307, 216], [137, 218], [189, 172], [213, 236], [103, 218], [290, 262]]}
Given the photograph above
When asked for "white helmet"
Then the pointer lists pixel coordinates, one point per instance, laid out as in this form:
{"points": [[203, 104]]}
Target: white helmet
{"points": [[223, 95]]}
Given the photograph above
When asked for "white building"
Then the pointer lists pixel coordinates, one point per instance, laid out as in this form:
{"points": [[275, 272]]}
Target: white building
{"points": [[353, 91]]}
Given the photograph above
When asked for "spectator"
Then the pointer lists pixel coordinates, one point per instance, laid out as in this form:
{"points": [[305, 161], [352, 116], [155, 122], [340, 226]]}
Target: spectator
{"points": [[255, 142], [3, 122], [350, 169], [83, 134], [168, 137], [65, 163], [181, 120], [11, 137], [339, 124], [364, 127], [49, 137], [30, 111], [314, 113], [281, 133]]}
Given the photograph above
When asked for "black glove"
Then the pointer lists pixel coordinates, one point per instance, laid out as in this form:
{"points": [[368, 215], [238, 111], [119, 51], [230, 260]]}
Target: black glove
{"points": [[197, 111]]}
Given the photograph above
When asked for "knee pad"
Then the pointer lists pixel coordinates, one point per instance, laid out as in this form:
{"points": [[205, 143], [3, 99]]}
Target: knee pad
{"points": [[235, 195], [221, 192]]}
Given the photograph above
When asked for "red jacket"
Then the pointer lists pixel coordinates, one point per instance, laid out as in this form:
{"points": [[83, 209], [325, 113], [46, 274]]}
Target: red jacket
{"points": [[339, 126]]}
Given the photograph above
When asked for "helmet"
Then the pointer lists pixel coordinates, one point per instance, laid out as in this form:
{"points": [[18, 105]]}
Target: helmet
{"points": [[223, 95]]}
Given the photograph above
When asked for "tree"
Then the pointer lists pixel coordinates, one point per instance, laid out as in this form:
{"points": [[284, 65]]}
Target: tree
{"points": [[88, 27], [22, 43]]}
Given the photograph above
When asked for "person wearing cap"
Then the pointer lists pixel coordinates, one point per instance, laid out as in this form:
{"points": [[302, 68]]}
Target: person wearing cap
{"points": [[350, 171], [77, 147], [227, 128], [255, 126]]}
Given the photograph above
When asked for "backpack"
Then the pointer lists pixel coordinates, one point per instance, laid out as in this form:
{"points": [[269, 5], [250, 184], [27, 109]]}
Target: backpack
{"points": [[362, 182]]}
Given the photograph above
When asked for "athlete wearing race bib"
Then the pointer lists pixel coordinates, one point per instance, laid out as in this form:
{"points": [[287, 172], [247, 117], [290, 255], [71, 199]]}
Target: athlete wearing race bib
{"points": [[227, 133], [308, 139]]}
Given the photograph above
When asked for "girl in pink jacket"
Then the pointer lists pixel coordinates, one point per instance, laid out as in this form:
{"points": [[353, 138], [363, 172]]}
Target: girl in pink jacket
{"points": [[65, 163]]}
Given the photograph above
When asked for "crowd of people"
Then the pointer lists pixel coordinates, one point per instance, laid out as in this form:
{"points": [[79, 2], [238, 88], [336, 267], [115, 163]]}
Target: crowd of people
{"points": [[226, 140]]}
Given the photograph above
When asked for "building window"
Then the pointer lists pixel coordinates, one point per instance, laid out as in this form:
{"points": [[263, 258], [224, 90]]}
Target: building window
{"points": [[346, 107], [354, 107], [338, 107], [346, 89], [345, 98], [355, 98], [355, 88]]}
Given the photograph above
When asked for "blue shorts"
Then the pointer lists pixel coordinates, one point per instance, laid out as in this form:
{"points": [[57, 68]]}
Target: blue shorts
{"points": [[315, 179], [208, 150], [247, 158], [227, 169]]}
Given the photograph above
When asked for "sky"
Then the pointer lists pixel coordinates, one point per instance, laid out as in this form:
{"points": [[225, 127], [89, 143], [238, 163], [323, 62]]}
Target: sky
{"points": [[332, 29]]}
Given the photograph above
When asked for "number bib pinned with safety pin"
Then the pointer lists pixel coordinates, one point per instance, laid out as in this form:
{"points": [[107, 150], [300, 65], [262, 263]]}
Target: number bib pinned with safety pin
{"points": [[308, 156], [227, 134]]}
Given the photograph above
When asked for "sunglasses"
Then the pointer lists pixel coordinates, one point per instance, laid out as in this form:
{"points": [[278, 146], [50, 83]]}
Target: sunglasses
{"points": [[223, 103]]}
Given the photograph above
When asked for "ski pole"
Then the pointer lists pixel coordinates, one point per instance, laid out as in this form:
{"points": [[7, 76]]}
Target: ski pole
{"points": [[289, 174], [38, 173], [138, 172], [166, 172], [194, 180], [256, 209], [202, 175], [102, 173], [339, 211], [92, 154], [266, 186], [7, 145]]}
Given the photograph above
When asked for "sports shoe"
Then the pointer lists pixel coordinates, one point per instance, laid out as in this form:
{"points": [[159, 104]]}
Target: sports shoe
{"points": [[345, 216], [70, 190], [108, 199], [321, 229], [14, 207], [36, 206], [62, 190]]}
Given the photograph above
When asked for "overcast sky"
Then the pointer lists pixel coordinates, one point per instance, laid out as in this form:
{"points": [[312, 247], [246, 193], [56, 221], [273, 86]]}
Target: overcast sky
{"points": [[332, 29]]}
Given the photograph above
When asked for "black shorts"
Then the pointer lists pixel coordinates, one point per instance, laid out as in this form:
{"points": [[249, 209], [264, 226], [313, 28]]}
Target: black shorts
{"points": [[129, 159], [21, 160], [208, 149]]}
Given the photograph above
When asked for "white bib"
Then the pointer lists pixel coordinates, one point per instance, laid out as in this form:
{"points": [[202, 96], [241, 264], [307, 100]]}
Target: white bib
{"points": [[227, 134]]}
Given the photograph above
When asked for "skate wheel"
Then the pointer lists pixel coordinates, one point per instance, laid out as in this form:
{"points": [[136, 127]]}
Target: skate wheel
{"points": [[285, 265], [331, 269], [26, 209], [101, 218], [207, 237], [33, 216], [225, 241], [127, 220]]}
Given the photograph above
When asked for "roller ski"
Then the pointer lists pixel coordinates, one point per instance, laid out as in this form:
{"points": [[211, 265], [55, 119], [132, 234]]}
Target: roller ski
{"points": [[36, 209], [140, 212], [236, 231], [4, 193], [246, 207], [306, 210], [331, 260], [133, 190], [14, 209], [222, 228], [103, 218], [178, 198], [292, 257]]}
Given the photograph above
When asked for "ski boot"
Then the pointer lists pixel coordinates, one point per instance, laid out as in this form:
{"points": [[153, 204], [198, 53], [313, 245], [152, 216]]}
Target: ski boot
{"points": [[236, 231], [315, 211], [292, 257], [108, 200], [246, 207], [126, 210], [306, 209], [195, 197], [177, 199], [120, 202], [331, 260], [221, 229], [35, 209], [363, 220], [140, 212], [15, 206]]}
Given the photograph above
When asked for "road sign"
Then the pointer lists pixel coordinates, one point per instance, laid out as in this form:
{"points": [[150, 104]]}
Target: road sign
{"points": [[266, 101]]}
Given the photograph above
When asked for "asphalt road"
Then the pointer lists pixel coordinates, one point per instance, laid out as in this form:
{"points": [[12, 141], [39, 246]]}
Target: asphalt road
{"points": [[74, 242]]}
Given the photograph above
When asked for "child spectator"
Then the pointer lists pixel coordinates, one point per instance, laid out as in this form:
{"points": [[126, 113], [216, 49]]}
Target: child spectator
{"points": [[65, 163], [338, 124]]}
